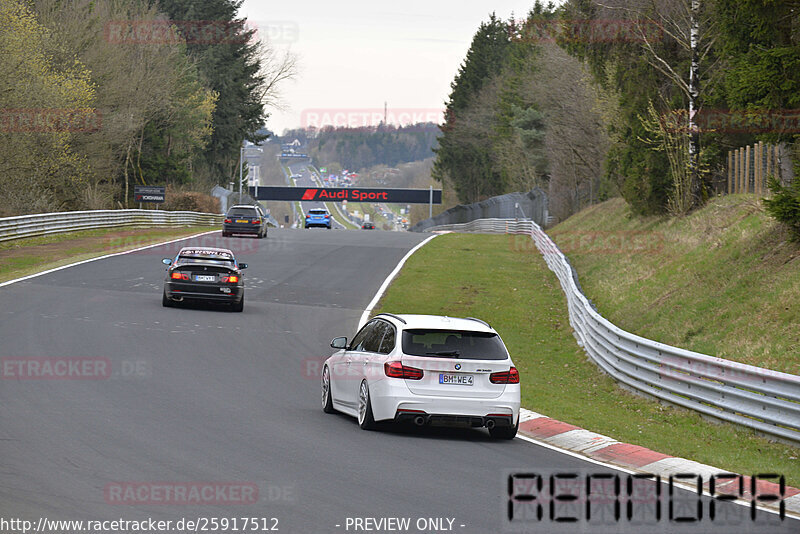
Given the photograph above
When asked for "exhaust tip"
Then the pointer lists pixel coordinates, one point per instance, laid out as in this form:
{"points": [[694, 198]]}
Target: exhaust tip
{"points": [[419, 420], [490, 424]]}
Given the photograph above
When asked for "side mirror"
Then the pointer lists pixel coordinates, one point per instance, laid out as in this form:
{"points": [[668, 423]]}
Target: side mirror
{"points": [[166, 261], [242, 266], [339, 343]]}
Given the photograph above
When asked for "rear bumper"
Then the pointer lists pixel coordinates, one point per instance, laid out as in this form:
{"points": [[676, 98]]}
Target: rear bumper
{"points": [[422, 418], [322, 224], [241, 229], [392, 400], [206, 292]]}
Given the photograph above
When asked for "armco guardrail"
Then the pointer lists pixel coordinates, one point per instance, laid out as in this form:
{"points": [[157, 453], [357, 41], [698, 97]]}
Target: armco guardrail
{"points": [[764, 400], [73, 221], [531, 205]]}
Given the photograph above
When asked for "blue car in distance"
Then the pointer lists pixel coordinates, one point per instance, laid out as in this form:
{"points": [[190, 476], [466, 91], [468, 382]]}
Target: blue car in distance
{"points": [[318, 217]]}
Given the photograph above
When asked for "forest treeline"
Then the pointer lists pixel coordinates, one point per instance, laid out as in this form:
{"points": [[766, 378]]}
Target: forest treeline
{"points": [[638, 98], [100, 95]]}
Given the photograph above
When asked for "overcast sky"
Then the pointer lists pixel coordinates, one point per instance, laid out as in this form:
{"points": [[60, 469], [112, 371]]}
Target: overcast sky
{"points": [[354, 55]]}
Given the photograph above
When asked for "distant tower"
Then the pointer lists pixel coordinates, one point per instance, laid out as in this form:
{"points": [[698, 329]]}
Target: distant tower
{"points": [[385, 113]]}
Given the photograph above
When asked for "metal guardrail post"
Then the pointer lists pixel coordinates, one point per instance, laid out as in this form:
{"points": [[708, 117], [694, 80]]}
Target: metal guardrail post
{"points": [[72, 221]]}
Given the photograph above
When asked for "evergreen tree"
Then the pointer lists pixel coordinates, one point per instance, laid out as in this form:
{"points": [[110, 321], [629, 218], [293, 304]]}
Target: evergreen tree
{"points": [[464, 153], [231, 68]]}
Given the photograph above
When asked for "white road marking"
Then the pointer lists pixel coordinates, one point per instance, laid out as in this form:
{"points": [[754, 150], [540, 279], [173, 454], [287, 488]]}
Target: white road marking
{"points": [[104, 257], [382, 289]]}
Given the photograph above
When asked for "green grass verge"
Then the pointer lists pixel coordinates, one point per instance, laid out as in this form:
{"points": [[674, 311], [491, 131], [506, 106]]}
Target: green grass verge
{"points": [[724, 280], [504, 281], [370, 209], [23, 257], [344, 222]]}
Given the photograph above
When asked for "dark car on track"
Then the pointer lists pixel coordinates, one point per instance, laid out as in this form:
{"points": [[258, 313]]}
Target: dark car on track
{"points": [[204, 274], [245, 219], [368, 226]]}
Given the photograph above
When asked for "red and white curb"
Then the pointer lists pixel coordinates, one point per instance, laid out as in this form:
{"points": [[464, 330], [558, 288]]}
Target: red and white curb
{"points": [[633, 458]]}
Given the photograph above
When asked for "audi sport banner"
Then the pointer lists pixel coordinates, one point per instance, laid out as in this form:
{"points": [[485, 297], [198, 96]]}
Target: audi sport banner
{"points": [[350, 194], [148, 193]]}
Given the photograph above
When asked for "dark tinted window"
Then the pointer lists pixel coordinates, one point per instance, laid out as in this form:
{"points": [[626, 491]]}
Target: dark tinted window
{"points": [[376, 336], [358, 340], [387, 344], [206, 261], [372, 341], [454, 344], [317, 212], [242, 212], [205, 256]]}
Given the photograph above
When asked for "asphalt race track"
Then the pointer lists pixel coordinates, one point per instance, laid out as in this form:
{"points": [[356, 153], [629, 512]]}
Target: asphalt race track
{"points": [[201, 396]]}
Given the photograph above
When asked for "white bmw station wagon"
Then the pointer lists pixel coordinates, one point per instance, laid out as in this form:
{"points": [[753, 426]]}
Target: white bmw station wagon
{"points": [[424, 369]]}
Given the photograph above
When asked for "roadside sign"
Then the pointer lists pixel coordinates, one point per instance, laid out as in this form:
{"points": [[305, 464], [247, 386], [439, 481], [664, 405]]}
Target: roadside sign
{"points": [[149, 193]]}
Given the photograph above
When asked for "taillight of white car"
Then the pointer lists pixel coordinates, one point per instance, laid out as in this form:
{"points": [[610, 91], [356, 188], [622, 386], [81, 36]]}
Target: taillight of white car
{"points": [[398, 370], [505, 377]]}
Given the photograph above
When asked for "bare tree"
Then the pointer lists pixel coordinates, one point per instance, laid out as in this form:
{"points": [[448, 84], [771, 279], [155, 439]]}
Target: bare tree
{"points": [[577, 115], [276, 68]]}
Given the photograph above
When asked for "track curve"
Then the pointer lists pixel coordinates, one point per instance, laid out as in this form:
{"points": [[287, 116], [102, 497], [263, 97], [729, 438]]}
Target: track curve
{"points": [[202, 395]]}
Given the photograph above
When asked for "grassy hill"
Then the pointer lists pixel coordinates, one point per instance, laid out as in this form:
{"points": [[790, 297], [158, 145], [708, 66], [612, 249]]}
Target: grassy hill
{"points": [[723, 281]]}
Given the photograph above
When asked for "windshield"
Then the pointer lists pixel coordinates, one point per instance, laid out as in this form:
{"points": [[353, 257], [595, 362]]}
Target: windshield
{"points": [[242, 212], [317, 212], [182, 260], [454, 344], [206, 256]]}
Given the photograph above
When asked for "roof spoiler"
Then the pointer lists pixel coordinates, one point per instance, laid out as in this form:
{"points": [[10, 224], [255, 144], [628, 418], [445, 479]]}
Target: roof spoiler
{"points": [[480, 321], [394, 316]]}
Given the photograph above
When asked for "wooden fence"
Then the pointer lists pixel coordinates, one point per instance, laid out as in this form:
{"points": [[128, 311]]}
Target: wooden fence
{"points": [[749, 167]]}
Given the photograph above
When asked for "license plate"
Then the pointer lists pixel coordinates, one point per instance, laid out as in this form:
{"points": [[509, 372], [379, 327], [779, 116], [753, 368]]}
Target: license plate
{"points": [[205, 277], [242, 220], [455, 379]]}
